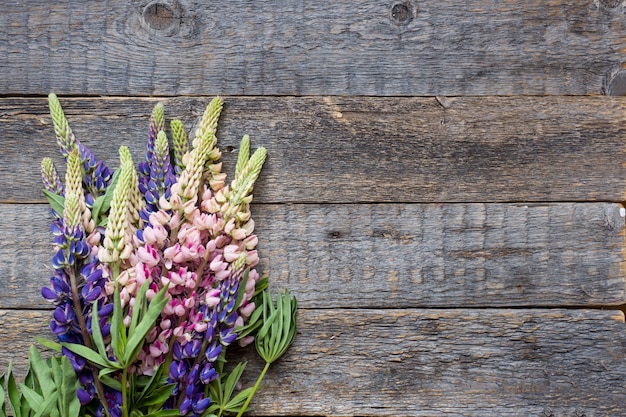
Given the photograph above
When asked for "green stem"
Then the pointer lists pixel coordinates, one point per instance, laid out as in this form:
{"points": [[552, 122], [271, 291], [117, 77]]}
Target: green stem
{"points": [[124, 399], [254, 389]]}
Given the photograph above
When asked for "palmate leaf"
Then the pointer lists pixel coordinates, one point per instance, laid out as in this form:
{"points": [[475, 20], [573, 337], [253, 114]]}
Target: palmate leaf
{"points": [[231, 381], [252, 325], [235, 404], [279, 328]]}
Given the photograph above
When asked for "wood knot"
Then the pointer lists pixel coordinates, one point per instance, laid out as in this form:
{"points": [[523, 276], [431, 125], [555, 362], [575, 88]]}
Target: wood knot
{"points": [[402, 13], [163, 15], [617, 85]]}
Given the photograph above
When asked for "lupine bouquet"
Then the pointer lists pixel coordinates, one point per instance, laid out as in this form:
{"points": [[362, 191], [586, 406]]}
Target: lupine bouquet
{"points": [[153, 280]]}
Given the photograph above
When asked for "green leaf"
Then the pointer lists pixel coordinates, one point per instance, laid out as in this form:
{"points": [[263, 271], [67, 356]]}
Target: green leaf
{"points": [[151, 384], [118, 330], [268, 317], [103, 203], [136, 340], [111, 382], [279, 328], [34, 400], [241, 289], [56, 201], [3, 407], [158, 396], [260, 286], [69, 385], [47, 406], [14, 395], [231, 381], [237, 402], [164, 413], [138, 307], [89, 354], [42, 371], [253, 324], [96, 332], [49, 344]]}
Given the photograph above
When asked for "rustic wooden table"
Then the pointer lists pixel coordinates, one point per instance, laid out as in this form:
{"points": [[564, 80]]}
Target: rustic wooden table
{"points": [[443, 190]]}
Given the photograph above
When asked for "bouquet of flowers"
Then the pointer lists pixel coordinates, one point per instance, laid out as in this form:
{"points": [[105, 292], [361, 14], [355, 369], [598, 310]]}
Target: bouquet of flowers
{"points": [[153, 280]]}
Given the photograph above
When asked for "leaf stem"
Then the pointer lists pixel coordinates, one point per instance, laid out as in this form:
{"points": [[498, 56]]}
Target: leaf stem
{"points": [[124, 399], [254, 389]]}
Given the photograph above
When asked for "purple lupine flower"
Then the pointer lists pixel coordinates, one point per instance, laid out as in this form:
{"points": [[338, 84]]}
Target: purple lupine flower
{"points": [[159, 178], [157, 124]]}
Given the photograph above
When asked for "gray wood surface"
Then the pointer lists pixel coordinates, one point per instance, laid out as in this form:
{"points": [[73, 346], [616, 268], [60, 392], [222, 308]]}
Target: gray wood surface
{"points": [[443, 189], [408, 362], [346, 150], [373, 47], [394, 255]]}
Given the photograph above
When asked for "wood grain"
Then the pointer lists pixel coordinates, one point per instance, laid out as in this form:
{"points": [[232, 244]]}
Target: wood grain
{"points": [[427, 362], [394, 255], [426, 47], [346, 150]]}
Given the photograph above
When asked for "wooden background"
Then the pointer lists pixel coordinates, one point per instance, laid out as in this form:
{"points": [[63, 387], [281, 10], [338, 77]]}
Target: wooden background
{"points": [[443, 191]]}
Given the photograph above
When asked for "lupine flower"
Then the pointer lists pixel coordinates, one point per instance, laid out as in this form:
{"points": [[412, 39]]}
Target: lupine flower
{"points": [[97, 175], [173, 224], [116, 245], [181, 145], [50, 177]]}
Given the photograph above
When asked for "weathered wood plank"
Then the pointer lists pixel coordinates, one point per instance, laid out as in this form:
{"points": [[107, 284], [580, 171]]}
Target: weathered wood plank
{"points": [[427, 362], [392, 255], [427, 47], [363, 149]]}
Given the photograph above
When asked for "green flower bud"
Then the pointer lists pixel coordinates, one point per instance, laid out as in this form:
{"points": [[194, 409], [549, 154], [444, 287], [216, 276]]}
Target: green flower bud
{"points": [[71, 211], [180, 144], [65, 137]]}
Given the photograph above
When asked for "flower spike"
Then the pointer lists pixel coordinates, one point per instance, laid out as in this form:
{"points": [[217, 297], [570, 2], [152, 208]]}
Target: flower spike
{"points": [[50, 177]]}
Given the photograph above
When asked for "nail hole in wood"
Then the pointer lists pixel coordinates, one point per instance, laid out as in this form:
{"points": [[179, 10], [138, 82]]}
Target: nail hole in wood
{"points": [[335, 234], [401, 13]]}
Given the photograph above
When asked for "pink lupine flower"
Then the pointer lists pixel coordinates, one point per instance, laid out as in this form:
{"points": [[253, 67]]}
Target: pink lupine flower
{"points": [[218, 264], [231, 253], [250, 242], [148, 255], [159, 218], [155, 235], [252, 258], [247, 310], [238, 234]]}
